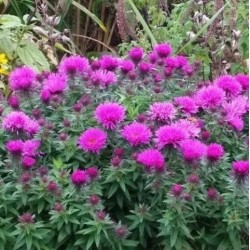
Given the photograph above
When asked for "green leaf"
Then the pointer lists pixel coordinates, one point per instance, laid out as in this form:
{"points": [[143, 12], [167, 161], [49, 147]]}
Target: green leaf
{"points": [[143, 23], [90, 14], [173, 238], [32, 56], [113, 189], [10, 21], [90, 242]]}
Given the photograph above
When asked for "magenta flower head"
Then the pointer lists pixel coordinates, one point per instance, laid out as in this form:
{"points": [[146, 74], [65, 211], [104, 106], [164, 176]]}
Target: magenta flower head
{"points": [[110, 114], [45, 96], [136, 134], [181, 61], [94, 200], [176, 190], [92, 140], [119, 151], [162, 111], [30, 147], [28, 162], [93, 173], [214, 152], [79, 178], [15, 122], [103, 78], [205, 135], [212, 194], [163, 49], [126, 66], [186, 104], [193, 179], [32, 127], [229, 84], [153, 57], [116, 161], [22, 79], [109, 62], [121, 232], [15, 147], [170, 135], [73, 65], [240, 170], [171, 63], [136, 54], [145, 67], [243, 80], [14, 102], [56, 83], [152, 160], [52, 187], [26, 218], [210, 97], [192, 150]]}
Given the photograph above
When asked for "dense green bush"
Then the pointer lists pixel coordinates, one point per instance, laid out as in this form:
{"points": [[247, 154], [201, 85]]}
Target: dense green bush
{"points": [[124, 154]]}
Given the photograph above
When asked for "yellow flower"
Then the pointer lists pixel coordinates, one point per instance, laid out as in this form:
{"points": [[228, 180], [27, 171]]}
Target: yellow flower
{"points": [[3, 59], [4, 71]]}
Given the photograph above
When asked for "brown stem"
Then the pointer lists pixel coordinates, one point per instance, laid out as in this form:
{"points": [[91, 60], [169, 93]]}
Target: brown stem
{"points": [[106, 35], [100, 31], [78, 24], [97, 41], [111, 32]]}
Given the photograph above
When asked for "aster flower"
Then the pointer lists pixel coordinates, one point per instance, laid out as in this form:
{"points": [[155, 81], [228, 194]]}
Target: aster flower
{"points": [[92, 172], [126, 66], [110, 114], [45, 96], [30, 147], [56, 83], [190, 125], [170, 62], [153, 57], [14, 101], [136, 134], [162, 111], [92, 140], [32, 127], [145, 67], [212, 194], [192, 150], [163, 49], [103, 78], [22, 79], [235, 122], [79, 178], [181, 61], [229, 84], [15, 122], [176, 190], [109, 62], [170, 135], [214, 152], [15, 147], [73, 65], [243, 80], [210, 97], [187, 104], [237, 107], [26, 218], [136, 54], [151, 159], [28, 162], [240, 169]]}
